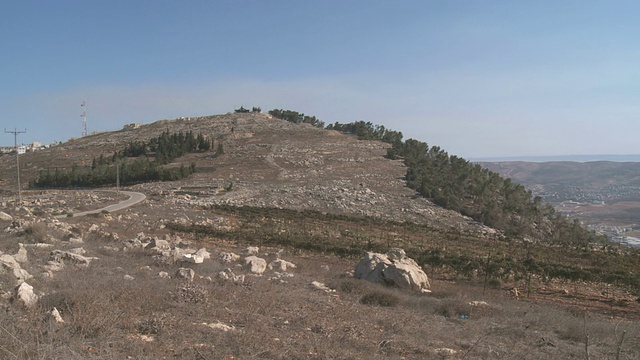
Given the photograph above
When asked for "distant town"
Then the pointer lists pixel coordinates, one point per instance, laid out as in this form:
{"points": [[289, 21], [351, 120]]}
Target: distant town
{"points": [[25, 148]]}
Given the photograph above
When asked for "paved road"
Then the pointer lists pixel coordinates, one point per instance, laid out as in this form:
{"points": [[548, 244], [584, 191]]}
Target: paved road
{"points": [[134, 198]]}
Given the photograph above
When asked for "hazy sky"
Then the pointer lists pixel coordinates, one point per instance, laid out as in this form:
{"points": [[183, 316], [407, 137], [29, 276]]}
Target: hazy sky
{"points": [[478, 78]]}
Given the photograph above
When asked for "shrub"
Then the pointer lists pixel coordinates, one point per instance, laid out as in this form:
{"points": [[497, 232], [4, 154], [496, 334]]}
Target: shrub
{"points": [[378, 298], [36, 232]]}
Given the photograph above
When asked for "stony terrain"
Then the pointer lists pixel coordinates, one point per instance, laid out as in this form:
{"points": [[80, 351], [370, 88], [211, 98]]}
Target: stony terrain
{"points": [[124, 285], [268, 162]]}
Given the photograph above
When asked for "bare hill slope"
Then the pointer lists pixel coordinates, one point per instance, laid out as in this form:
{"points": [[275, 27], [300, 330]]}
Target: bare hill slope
{"points": [[267, 162]]}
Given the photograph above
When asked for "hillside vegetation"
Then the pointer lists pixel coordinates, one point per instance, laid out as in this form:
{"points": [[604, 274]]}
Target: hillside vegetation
{"points": [[454, 183]]}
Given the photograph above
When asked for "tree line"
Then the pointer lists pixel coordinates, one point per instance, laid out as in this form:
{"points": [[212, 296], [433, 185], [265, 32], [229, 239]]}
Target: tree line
{"points": [[138, 162]]}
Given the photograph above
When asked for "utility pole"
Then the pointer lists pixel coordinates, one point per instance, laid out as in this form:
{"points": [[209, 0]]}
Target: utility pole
{"points": [[15, 133], [84, 118], [117, 177]]}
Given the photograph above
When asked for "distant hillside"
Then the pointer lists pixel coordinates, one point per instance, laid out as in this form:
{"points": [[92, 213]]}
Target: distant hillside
{"points": [[559, 181], [554, 158]]}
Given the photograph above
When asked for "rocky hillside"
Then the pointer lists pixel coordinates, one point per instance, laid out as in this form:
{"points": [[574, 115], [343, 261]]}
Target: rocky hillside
{"points": [[256, 256], [267, 162]]}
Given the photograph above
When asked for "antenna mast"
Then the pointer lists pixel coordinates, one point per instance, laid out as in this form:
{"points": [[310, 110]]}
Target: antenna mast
{"points": [[84, 118], [15, 133]]}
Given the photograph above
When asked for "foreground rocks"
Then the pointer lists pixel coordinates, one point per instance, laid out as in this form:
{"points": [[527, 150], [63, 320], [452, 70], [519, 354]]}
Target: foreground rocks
{"points": [[393, 268]]}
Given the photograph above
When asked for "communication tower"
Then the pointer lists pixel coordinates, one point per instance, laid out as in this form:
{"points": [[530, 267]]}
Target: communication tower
{"points": [[84, 118]]}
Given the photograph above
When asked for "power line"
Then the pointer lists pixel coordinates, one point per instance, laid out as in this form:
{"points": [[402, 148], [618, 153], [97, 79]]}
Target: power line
{"points": [[15, 133]]}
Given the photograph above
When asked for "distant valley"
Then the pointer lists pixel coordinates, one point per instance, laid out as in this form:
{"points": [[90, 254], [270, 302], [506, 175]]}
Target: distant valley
{"points": [[605, 195]]}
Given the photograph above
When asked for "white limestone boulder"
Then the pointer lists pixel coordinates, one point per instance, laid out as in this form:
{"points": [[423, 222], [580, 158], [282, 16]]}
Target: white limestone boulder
{"points": [[393, 268], [5, 217], [203, 253], [9, 262], [281, 265], [255, 265], [61, 257], [25, 295], [193, 258], [21, 256]]}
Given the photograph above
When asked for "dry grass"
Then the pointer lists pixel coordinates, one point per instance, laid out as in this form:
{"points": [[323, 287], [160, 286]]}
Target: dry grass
{"points": [[108, 317]]}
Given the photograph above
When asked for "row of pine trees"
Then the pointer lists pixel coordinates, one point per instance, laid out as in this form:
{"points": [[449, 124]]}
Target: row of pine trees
{"points": [[138, 162]]}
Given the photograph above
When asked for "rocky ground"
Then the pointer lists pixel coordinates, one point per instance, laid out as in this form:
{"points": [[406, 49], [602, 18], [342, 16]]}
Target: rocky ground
{"points": [[123, 286]]}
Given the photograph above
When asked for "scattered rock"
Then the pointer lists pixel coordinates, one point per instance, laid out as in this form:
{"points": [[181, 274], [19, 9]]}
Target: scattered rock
{"points": [[185, 273], [9, 262], [320, 286], [6, 217], [228, 274], [220, 326], [255, 265], [55, 315], [445, 352], [251, 250], [129, 277], [21, 275], [228, 257], [76, 240], [60, 256], [24, 294], [21, 256], [478, 303], [158, 245], [193, 258], [394, 268], [164, 275], [78, 251], [203, 253], [281, 265]]}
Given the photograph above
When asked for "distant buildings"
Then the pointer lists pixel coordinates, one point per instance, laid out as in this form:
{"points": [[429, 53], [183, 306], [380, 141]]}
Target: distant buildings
{"points": [[25, 148], [131, 126]]}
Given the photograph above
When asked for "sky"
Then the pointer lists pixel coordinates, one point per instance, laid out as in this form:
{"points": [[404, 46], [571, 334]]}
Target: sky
{"points": [[477, 78]]}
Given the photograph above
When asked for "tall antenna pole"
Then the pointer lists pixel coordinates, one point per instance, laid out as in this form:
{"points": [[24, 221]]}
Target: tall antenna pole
{"points": [[15, 133], [84, 118]]}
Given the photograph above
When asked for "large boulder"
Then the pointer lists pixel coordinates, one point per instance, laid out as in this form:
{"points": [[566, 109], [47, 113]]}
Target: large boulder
{"points": [[393, 268], [255, 265]]}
